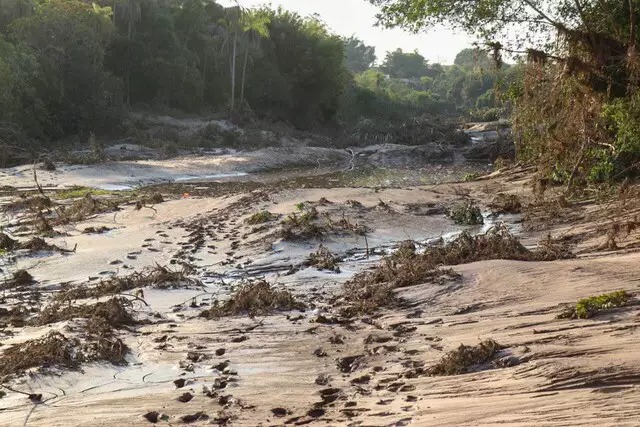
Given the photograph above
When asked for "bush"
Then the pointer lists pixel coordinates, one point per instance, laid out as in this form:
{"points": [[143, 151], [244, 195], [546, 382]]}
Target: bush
{"points": [[589, 307], [466, 213]]}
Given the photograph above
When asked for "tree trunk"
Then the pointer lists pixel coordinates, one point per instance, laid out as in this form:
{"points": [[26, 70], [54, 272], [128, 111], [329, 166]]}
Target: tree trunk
{"points": [[233, 68], [244, 76]]}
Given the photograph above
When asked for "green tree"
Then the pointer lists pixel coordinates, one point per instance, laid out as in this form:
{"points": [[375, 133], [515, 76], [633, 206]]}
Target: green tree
{"points": [[404, 65], [474, 58], [74, 88], [358, 56], [254, 27], [11, 10]]}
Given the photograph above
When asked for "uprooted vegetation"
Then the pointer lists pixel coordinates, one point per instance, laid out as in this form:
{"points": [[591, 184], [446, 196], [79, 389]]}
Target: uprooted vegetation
{"points": [[370, 290], [115, 312], [506, 204], [466, 213], [158, 277], [18, 279], [309, 224], [55, 350], [466, 359], [253, 299], [592, 306], [324, 259]]}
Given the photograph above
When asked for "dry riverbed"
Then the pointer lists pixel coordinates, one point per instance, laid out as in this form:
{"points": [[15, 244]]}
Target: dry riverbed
{"points": [[309, 298]]}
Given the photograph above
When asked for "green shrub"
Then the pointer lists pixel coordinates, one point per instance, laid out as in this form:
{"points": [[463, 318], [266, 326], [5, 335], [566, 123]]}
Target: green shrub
{"points": [[591, 306], [260, 218], [466, 213]]}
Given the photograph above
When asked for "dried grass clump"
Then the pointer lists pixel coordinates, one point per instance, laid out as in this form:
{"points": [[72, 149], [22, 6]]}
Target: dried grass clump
{"points": [[39, 244], [405, 268], [465, 359], [115, 312], [7, 243], [407, 249], [82, 208], [302, 226], [158, 277], [253, 299], [56, 350], [15, 316], [96, 230], [34, 203], [324, 259], [18, 278], [506, 204], [153, 199]]}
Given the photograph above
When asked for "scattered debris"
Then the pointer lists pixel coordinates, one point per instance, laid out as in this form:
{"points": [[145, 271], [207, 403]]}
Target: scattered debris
{"points": [[96, 230], [56, 350], [324, 259], [254, 298], [466, 359], [505, 204]]}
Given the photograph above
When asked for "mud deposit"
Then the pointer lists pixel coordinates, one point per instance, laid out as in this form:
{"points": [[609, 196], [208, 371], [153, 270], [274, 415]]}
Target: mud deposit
{"points": [[332, 295]]}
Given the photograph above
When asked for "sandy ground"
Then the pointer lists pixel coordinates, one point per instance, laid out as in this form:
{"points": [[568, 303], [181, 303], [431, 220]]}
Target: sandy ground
{"points": [[289, 368]]}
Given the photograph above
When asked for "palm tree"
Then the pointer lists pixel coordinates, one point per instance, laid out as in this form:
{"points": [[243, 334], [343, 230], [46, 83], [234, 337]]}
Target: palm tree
{"points": [[255, 27]]}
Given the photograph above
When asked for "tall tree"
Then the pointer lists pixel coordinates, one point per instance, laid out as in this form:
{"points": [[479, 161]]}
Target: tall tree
{"points": [[358, 56], [405, 65], [254, 27]]}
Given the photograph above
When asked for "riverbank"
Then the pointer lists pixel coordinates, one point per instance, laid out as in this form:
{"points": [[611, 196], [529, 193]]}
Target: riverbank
{"points": [[326, 363]]}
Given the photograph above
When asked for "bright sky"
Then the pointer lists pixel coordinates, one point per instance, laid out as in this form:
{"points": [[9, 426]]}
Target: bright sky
{"points": [[347, 17]]}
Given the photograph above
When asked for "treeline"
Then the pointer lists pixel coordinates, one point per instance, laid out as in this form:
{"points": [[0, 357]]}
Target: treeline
{"points": [[475, 86], [69, 67]]}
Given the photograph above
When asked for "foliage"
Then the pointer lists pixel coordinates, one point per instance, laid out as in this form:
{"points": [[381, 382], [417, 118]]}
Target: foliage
{"points": [[403, 65], [591, 306], [260, 218], [576, 110], [466, 213], [73, 87], [358, 56]]}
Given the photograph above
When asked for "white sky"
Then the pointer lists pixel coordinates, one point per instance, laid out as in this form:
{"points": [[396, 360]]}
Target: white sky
{"points": [[347, 17]]}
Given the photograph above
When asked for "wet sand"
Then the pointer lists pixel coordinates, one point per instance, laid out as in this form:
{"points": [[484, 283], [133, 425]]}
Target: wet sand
{"points": [[295, 368]]}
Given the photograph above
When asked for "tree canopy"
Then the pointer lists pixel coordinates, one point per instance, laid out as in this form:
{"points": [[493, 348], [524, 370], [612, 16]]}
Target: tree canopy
{"points": [[358, 56]]}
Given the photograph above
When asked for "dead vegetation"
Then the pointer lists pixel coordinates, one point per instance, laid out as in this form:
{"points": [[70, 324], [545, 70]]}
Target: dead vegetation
{"points": [[466, 359], [96, 230], [19, 278], [466, 213], [324, 259], [253, 299], [505, 204], [83, 208], [158, 277], [55, 350], [309, 224], [370, 290], [115, 312]]}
